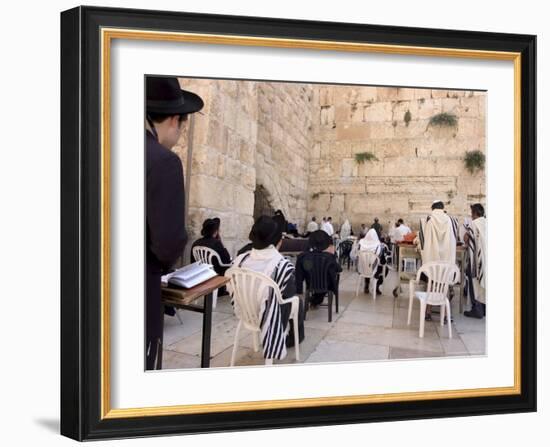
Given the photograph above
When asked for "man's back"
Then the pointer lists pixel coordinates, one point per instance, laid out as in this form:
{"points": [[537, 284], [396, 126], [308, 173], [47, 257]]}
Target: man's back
{"points": [[438, 239], [312, 226], [165, 231]]}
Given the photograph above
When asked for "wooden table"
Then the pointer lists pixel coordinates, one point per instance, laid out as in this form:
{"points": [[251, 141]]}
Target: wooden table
{"points": [[185, 299]]}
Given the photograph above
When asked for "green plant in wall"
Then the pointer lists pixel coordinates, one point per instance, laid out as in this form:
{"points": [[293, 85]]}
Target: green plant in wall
{"points": [[474, 161], [443, 120], [407, 117], [362, 157]]}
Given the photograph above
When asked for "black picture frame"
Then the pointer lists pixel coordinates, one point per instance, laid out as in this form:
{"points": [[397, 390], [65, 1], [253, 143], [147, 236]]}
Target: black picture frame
{"points": [[81, 216]]}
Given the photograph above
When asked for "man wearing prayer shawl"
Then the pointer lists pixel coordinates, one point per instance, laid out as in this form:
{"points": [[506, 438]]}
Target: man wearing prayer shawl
{"points": [[371, 243], [475, 240], [264, 257], [437, 237], [345, 230]]}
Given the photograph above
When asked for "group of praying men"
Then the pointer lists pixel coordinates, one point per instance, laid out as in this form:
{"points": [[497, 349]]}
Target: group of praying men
{"points": [[437, 239]]}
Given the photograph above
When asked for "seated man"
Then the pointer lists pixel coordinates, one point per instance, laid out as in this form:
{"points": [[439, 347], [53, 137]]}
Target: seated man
{"points": [[320, 246], [211, 239], [265, 258], [371, 243]]}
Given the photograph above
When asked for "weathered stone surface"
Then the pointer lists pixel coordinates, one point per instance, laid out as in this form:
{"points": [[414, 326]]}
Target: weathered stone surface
{"points": [[410, 185], [300, 141]]}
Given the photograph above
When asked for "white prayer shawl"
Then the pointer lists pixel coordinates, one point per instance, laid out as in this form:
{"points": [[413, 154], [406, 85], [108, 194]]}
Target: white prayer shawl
{"points": [[345, 230], [480, 231], [271, 263], [312, 226], [371, 242], [438, 238]]}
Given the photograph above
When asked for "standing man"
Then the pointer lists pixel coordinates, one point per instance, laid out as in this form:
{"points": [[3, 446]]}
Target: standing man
{"points": [[377, 227], [167, 109], [312, 226], [475, 239], [327, 226], [437, 239]]}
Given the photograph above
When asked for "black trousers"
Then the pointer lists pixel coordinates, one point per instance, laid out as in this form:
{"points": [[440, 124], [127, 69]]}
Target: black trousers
{"points": [[154, 323]]}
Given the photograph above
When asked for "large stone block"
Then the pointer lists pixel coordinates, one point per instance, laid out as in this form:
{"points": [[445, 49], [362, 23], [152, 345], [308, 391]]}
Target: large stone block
{"points": [[387, 93], [378, 111], [412, 129], [342, 113], [440, 93], [381, 130], [326, 96], [367, 94], [353, 132], [349, 167], [204, 161], [427, 108], [210, 192], [243, 200], [471, 127], [410, 185], [217, 135], [404, 94]]}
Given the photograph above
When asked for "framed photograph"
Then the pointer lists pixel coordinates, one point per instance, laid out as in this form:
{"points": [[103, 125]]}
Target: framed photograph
{"points": [[276, 223]]}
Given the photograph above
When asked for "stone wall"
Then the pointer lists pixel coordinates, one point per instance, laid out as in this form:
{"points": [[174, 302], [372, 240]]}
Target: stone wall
{"points": [[299, 143], [248, 134], [416, 162]]}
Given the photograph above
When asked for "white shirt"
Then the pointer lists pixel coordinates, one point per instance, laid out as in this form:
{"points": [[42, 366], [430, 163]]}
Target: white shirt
{"points": [[312, 226], [328, 228], [397, 233]]}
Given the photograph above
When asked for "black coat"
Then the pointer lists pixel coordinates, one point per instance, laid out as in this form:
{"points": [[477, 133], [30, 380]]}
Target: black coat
{"points": [[309, 258], [165, 232], [217, 246]]}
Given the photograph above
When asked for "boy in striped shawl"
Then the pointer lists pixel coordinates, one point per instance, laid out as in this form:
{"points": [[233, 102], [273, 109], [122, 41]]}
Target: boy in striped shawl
{"points": [[475, 240], [264, 257]]}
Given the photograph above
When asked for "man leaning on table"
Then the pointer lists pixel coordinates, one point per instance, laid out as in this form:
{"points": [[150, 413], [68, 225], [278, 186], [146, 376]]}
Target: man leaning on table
{"points": [[167, 109]]}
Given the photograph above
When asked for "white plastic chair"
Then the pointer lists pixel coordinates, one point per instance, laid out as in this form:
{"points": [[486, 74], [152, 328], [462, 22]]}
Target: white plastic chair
{"points": [[250, 289], [205, 255], [367, 263], [440, 276]]}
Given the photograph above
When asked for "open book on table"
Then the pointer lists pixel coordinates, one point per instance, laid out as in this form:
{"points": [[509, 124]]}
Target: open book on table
{"points": [[190, 275]]}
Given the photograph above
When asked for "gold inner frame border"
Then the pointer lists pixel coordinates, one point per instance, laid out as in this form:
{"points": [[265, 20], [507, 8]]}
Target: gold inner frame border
{"points": [[107, 35]]}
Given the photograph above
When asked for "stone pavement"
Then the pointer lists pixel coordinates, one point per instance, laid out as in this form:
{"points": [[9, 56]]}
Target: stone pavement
{"points": [[363, 330]]}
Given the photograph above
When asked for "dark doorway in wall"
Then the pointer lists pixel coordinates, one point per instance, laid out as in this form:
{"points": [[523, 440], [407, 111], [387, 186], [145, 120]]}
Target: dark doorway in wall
{"points": [[262, 204]]}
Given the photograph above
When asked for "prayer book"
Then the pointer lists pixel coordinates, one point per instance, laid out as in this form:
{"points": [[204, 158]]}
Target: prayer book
{"points": [[190, 275]]}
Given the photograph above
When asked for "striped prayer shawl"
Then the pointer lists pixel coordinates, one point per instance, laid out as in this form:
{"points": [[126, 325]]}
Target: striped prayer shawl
{"points": [[273, 336], [475, 265]]}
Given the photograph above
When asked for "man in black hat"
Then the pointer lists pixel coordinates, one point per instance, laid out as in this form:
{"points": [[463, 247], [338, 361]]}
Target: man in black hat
{"points": [[167, 109], [211, 239]]}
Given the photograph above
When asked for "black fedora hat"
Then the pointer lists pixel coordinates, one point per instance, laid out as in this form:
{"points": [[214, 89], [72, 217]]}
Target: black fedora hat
{"points": [[264, 232], [166, 97]]}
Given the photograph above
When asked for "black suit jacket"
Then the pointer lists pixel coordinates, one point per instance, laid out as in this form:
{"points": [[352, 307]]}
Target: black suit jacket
{"points": [[165, 226], [217, 246]]}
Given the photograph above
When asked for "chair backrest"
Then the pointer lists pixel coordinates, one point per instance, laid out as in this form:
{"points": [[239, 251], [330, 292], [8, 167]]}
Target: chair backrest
{"points": [[316, 267], [367, 262], [205, 255], [344, 249], [440, 276], [250, 289]]}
